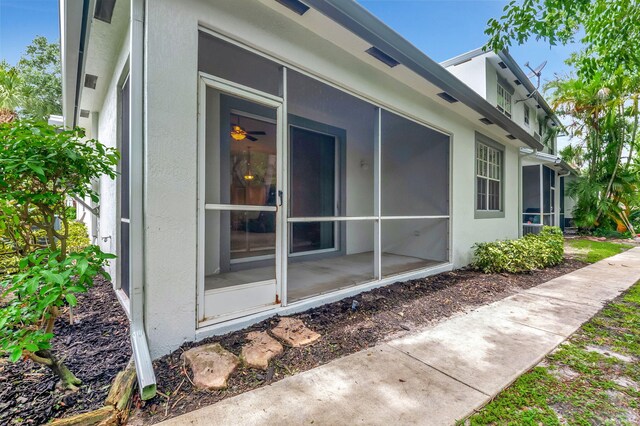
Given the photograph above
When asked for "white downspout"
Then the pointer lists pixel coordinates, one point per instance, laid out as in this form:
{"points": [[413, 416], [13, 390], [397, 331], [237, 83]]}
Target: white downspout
{"points": [[141, 355]]}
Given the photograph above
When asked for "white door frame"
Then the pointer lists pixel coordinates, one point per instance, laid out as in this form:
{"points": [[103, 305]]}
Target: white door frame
{"points": [[268, 100]]}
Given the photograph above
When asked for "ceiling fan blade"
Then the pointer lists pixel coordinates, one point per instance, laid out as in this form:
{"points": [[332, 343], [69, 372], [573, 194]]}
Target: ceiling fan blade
{"points": [[257, 132], [251, 138]]}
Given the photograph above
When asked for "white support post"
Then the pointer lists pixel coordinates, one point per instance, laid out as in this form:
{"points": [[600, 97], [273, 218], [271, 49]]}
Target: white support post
{"points": [[377, 209]]}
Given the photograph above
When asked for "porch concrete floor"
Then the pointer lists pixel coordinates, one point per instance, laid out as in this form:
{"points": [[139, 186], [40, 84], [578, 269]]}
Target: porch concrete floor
{"points": [[310, 278], [440, 374]]}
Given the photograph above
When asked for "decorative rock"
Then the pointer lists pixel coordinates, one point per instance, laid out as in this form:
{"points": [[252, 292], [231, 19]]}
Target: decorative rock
{"points": [[260, 350], [294, 333], [211, 365]]}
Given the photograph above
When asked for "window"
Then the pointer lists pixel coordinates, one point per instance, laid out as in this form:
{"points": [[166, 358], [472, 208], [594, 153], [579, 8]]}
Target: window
{"points": [[488, 179], [526, 115], [504, 101]]}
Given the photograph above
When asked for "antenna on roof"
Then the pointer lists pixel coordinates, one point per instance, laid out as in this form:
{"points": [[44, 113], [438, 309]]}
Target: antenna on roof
{"points": [[537, 72]]}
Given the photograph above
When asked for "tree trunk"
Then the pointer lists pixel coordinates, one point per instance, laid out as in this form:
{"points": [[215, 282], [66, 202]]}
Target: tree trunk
{"points": [[67, 378]]}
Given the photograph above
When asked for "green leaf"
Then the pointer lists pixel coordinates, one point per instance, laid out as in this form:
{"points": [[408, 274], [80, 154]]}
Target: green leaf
{"points": [[83, 264], [16, 353], [71, 299], [31, 347], [37, 170]]}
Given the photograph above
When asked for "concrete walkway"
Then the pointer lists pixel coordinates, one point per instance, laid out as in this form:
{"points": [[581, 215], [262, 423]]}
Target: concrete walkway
{"points": [[441, 374]]}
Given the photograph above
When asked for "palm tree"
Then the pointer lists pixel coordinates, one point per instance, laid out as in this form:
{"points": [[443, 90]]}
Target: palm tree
{"points": [[605, 115], [11, 93]]}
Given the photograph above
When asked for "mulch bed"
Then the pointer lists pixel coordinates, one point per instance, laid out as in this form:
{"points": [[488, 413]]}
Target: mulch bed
{"points": [[95, 348], [346, 326]]}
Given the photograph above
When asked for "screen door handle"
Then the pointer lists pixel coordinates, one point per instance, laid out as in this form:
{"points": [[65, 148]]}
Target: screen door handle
{"points": [[280, 196]]}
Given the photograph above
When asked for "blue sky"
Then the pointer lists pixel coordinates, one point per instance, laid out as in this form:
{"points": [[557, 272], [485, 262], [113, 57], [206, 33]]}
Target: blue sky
{"points": [[446, 28], [21, 21], [440, 28]]}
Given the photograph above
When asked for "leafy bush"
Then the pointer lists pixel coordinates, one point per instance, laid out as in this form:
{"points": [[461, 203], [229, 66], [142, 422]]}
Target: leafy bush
{"points": [[43, 286], [525, 254], [77, 241], [71, 213], [41, 167], [78, 238]]}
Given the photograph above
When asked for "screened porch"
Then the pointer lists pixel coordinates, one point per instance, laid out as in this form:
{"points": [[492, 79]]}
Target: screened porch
{"points": [[307, 189]]}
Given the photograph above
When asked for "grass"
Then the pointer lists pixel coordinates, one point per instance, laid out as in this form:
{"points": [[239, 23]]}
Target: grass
{"points": [[594, 251], [593, 378]]}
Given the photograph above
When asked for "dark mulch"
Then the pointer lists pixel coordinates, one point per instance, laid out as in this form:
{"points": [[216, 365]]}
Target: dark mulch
{"points": [[96, 347], [380, 315]]}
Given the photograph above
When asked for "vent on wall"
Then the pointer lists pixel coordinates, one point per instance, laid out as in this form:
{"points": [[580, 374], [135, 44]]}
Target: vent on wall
{"points": [[517, 82], [295, 5], [502, 65], [84, 113], [90, 81], [486, 121], [104, 10], [511, 137], [382, 57], [447, 97]]}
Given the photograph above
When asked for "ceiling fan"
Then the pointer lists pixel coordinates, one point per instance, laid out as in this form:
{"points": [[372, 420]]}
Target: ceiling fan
{"points": [[238, 133]]}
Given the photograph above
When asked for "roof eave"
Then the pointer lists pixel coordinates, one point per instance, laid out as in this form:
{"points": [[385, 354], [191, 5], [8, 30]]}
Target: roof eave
{"points": [[365, 25], [74, 33]]}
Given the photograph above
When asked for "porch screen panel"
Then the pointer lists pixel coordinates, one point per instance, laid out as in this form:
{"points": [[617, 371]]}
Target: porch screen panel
{"points": [[411, 244], [415, 168], [233, 63], [331, 222], [240, 191], [125, 191], [313, 188], [414, 193], [548, 195], [531, 195], [240, 247]]}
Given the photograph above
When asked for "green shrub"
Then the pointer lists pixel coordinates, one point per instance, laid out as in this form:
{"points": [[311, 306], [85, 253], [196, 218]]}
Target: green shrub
{"points": [[71, 213], [41, 168], [78, 238], [77, 241], [525, 254]]}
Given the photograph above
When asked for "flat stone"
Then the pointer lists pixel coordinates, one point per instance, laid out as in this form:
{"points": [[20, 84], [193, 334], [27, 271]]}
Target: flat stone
{"points": [[294, 333], [211, 365], [610, 353], [260, 349]]}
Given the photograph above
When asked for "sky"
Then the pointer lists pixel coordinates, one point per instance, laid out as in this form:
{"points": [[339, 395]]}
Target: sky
{"points": [[21, 21], [440, 28], [446, 28]]}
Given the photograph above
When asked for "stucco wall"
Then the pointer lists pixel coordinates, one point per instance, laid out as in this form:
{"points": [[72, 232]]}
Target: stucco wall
{"points": [[171, 143], [473, 74], [107, 126]]}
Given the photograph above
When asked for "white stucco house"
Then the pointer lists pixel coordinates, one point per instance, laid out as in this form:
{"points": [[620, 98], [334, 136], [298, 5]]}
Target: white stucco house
{"points": [[278, 155], [501, 81]]}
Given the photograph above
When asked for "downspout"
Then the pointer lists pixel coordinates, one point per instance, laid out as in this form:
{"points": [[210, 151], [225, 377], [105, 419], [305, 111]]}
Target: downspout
{"points": [[141, 355]]}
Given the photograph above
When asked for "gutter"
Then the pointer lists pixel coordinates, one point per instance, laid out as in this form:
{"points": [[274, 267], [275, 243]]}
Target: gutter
{"points": [[141, 355], [365, 25], [84, 36]]}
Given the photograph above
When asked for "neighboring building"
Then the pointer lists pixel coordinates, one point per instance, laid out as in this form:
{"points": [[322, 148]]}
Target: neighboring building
{"points": [[498, 78], [277, 155]]}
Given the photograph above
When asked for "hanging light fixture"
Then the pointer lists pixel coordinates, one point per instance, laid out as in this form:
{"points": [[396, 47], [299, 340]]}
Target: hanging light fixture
{"points": [[249, 174]]}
